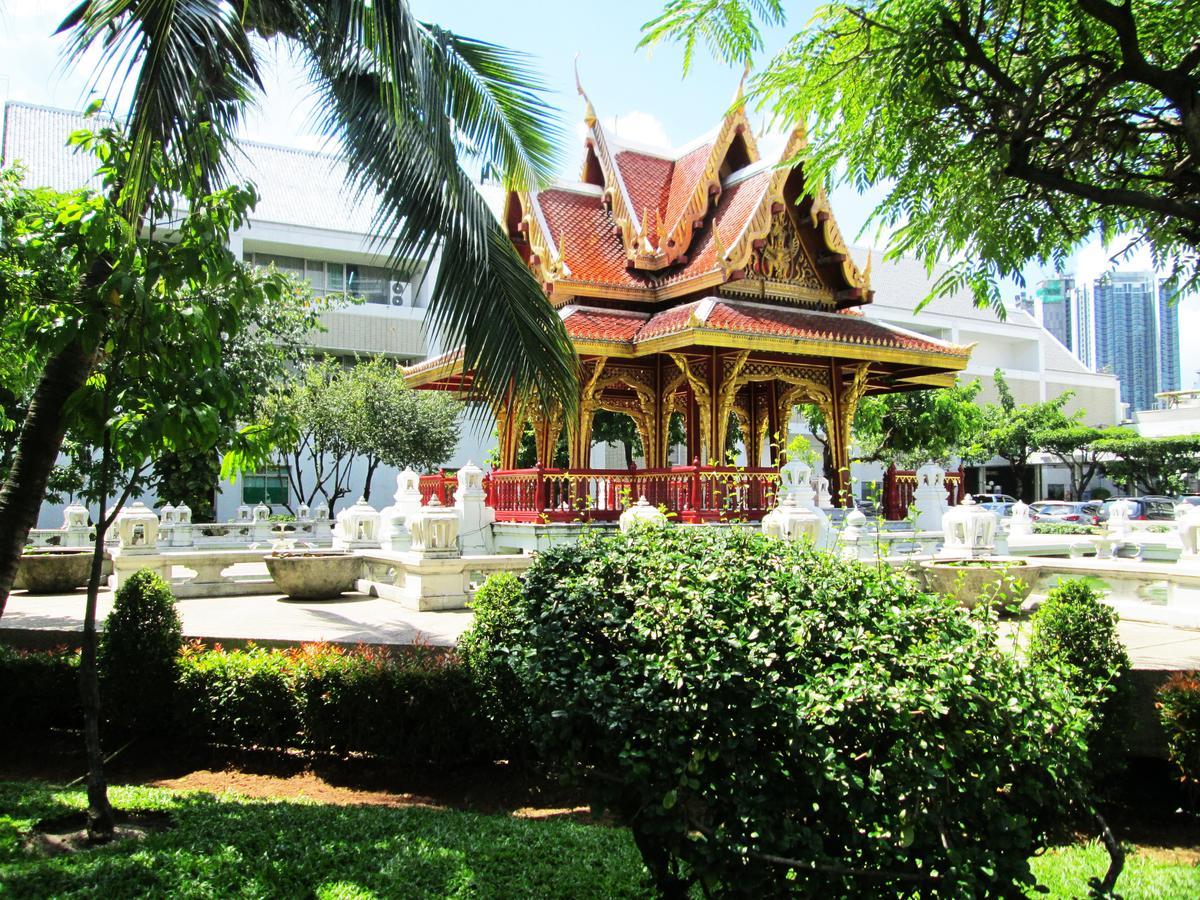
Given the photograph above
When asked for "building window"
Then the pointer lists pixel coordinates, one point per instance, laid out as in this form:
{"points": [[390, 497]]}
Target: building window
{"points": [[374, 284], [269, 486]]}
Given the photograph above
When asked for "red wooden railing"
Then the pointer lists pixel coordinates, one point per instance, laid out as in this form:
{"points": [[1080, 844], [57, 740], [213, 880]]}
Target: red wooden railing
{"points": [[692, 493], [441, 484], [900, 485]]}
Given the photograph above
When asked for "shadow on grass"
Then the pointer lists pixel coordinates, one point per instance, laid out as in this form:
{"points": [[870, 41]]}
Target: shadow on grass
{"points": [[225, 847]]}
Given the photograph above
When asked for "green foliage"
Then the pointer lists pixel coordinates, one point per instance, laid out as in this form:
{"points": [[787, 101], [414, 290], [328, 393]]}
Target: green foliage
{"points": [[138, 654], [1154, 465], [416, 706], [1013, 431], [229, 846], [1076, 447], [404, 103], [1179, 710], [190, 479], [1063, 528], [1074, 631], [485, 650], [915, 427], [737, 699], [41, 691], [1046, 120]]}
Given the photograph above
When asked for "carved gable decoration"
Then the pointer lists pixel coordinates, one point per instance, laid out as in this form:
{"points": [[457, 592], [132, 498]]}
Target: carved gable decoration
{"points": [[780, 266]]}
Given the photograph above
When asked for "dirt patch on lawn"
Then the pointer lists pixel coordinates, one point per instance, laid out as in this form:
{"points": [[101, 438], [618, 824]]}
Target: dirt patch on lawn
{"points": [[68, 833], [302, 785]]}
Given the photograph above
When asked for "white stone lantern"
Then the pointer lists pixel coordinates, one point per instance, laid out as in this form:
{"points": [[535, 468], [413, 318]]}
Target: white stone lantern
{"points": [[930, 497], [261, 513], [795, 480], [302, 512], [968, 530], [1021, 523], [137, 528], [358, 526], [1119, 514], [243, 513], [824, 500], [434, 531], [1188, 525], [475, 533], [406, 502], [76, 531], [75, 516], [166, 515], [789, 521], [642, 515], [181, 533]]}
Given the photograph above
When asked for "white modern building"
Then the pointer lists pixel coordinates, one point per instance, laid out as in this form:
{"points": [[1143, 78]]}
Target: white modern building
{"points": [[306, 223], [1036, 365]]}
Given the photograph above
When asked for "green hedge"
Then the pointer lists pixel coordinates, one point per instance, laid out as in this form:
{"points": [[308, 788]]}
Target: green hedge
{"points": [[415, 705], [39, 690]]}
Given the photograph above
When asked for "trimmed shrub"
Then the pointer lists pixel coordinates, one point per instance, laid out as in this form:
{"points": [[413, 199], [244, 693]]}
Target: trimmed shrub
{"points": [[760, 713], [241, 698], [1179, 709], [39, 690], [1063, 528], [417, 705], [1075, 631], [484, 650], [138, 654]]}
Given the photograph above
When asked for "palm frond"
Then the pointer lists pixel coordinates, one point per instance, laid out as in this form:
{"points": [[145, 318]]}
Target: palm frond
{"points": [[191, 62]]}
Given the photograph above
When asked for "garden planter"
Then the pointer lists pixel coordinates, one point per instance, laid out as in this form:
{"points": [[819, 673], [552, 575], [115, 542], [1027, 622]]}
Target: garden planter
{"points": [[314, 575], [967, 581], [54, 571]]}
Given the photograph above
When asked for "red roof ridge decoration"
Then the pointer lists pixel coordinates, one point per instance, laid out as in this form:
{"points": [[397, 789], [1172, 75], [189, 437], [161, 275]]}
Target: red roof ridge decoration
{"points": [[654, 225]]}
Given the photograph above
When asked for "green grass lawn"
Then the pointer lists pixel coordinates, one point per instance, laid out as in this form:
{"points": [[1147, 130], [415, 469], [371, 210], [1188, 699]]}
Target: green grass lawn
{"points": [[224, 846]]}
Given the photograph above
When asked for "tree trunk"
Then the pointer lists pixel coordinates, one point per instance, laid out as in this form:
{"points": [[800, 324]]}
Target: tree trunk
{"points": [[371, 467], [100, 822], [37, 450]]}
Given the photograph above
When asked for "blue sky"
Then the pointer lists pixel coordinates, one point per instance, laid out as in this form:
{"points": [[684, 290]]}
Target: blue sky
{"points": [[644, 95]]}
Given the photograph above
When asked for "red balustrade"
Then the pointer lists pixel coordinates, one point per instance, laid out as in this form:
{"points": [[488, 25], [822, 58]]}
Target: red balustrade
{"points": [[440, 484], [691, 493]]}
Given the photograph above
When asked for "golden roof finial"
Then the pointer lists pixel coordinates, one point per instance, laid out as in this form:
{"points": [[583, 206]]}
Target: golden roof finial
{"points": [[645, 232], [660, 227], [866, 273], [589, 113]]}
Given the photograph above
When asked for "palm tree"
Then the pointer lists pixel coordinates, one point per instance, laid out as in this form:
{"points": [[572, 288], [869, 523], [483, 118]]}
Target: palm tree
{"points": [[405, 103]]}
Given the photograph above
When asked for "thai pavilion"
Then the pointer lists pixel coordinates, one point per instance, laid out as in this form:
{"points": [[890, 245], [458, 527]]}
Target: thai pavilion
{"points": [[705, 283]]}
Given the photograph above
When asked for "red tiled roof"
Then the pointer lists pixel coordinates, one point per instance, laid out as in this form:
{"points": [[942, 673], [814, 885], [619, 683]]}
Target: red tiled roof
{"points": [[585, 234], [588, 324], [684, 178], [743, 317], [648, 180], [583, 230]]}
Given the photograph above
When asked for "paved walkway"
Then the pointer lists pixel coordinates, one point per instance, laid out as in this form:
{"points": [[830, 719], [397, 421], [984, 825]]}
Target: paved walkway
{"points": [[268, 619], [357, 618]]}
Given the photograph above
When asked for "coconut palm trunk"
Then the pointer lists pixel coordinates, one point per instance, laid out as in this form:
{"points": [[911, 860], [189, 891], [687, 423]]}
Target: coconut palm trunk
{"points": [[37, 449]]}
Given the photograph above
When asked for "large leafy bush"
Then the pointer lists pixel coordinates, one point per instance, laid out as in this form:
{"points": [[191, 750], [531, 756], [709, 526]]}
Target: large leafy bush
{"points": [[484, 650], [1074, 630], [758, 712], [1179, 709], [139, 652]]}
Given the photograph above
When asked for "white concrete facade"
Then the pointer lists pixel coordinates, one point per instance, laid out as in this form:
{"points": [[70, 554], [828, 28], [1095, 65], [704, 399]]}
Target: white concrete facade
{"points": [[304, 212]]}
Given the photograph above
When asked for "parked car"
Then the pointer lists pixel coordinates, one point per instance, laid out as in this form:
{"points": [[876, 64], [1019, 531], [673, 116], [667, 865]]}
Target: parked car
{"points": [[983, 499], [1074, 512], [1160, 509], [1002, 509]]}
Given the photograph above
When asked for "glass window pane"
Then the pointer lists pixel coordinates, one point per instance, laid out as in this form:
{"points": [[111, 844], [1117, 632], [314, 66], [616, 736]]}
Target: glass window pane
{"points": [[314, 271], [335, 276]]}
